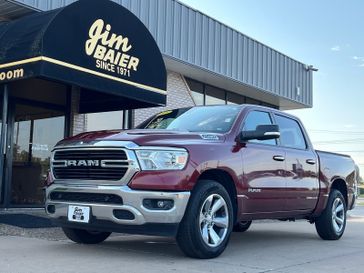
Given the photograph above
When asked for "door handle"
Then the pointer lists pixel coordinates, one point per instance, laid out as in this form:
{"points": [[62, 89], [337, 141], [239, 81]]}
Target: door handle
{"points": [[311, 161], [278, 158]]}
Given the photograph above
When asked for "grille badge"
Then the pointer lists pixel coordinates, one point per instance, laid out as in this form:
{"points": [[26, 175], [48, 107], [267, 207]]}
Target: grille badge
{"points": [[82, 163]]}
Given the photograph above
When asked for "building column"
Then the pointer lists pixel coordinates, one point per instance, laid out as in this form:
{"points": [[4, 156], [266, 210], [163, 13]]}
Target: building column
{"points": [[78, 121]]}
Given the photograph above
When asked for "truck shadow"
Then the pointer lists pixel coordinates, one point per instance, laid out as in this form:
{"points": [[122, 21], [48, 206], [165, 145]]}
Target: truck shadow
{"points": [[251, 241]]}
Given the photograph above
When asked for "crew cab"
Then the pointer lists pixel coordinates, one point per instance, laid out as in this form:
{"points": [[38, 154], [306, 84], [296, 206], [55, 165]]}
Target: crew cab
{"points": [[198, 174]]}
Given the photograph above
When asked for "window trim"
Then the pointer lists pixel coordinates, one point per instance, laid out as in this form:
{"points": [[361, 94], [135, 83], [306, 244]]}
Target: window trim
{"points": [[307, 148], [272, 120]]}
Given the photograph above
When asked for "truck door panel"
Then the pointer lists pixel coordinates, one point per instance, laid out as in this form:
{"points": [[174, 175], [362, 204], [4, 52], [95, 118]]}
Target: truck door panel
{"points": [[301, 166]]}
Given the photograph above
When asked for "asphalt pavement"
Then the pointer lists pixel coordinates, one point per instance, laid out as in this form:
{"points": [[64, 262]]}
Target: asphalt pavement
{"points": [[269, 246]]}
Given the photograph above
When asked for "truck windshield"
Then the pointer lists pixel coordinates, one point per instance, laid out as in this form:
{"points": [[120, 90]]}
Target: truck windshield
{"points": [[214, 119]]}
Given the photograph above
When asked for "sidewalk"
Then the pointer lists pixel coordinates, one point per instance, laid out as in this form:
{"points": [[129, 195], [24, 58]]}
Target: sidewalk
{"points": [[30, 223]]}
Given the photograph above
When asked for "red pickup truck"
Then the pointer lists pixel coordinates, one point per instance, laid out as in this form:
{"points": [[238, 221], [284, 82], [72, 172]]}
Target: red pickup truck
{"points": [[198, 174]]}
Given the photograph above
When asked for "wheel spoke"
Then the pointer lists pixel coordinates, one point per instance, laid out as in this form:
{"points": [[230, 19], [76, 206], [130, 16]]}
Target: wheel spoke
{"points": [[208, 203], [205, 234], [216, 206], [339, 220], [336, 226], [340, 208], [202, 217], [221, 222], [214, 237]]}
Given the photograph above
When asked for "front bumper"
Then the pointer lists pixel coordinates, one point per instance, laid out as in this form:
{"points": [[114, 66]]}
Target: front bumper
{"points": [[132, 202]]}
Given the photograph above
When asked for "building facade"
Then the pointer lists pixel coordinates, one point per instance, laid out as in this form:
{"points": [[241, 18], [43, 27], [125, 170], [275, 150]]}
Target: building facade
{"points": [[207, 63]]}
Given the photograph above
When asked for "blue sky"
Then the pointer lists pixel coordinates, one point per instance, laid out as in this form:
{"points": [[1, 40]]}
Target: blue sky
{"points": [[327, 34]]}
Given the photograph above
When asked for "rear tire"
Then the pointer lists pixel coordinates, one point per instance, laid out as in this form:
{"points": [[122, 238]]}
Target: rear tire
{"points": [[82, 236], [330, 225], [205, 229], [242, 226]]}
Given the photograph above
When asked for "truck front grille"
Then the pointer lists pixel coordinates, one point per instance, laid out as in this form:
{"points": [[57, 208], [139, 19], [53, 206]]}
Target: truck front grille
{"points": [[90, 164], [81, 197]]}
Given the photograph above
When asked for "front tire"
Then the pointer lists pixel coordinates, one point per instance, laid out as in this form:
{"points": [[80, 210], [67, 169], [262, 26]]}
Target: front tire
{"points": [[330, 225], [82, 236], [206, 227]]}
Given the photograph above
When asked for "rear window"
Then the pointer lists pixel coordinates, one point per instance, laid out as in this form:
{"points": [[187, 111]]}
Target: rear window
{"points": [[291, 133]]}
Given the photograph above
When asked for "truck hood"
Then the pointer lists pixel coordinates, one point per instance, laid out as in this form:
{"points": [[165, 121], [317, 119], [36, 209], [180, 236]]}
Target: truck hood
{"points": [[144, 137]]}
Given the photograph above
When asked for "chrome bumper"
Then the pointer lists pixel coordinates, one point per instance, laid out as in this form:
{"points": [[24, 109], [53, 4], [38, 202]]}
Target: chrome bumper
{"points": [[132, 202]]}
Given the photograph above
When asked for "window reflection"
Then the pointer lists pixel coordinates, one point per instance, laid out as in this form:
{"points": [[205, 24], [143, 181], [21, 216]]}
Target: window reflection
{"points": [[36, 131]]}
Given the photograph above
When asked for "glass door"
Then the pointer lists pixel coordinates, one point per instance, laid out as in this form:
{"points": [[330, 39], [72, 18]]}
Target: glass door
{"points": [[3, 114], [35, 131]]}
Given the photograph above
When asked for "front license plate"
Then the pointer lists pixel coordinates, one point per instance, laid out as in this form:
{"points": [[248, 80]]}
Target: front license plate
{"points": [[79, 214]]}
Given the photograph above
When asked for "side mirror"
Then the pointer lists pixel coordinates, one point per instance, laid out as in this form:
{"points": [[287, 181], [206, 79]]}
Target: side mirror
{"points": [[262, 132]]}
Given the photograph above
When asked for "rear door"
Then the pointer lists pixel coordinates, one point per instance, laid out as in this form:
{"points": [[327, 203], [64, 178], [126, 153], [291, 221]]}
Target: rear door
{"points": [[301, 165], [263, 169]]}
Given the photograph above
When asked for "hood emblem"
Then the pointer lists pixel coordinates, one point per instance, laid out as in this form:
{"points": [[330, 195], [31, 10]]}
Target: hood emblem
{"points": [[209, 137]]}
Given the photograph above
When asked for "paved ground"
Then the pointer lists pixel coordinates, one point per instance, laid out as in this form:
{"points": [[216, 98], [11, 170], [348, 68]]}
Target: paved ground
{"points": [[266, 247]]}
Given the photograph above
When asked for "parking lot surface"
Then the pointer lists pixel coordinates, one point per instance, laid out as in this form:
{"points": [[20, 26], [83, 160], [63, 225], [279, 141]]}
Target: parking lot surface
{"points": [[266, 247]]}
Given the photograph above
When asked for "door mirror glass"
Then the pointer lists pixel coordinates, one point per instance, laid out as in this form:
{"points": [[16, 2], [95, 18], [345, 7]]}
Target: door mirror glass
{"points": [[262, 132]]}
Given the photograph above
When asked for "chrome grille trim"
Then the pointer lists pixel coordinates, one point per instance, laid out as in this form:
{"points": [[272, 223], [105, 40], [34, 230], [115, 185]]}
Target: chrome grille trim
{"points": [[130, 164]]}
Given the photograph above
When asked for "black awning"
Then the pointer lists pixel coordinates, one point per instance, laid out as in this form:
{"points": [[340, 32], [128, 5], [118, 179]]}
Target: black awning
{"points": [[95, 44]]}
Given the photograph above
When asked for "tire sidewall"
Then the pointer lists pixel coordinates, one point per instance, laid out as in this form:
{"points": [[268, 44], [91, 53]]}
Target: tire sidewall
{"points": [[337, 194], [198, 199]]}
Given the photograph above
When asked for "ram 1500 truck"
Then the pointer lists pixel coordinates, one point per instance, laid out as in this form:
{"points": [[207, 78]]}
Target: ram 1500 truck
{"points": [[198, 174]]}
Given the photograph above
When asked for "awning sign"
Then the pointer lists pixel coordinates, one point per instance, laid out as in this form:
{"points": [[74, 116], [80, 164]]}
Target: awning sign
{"points": [[95, 44], [110, 50]]}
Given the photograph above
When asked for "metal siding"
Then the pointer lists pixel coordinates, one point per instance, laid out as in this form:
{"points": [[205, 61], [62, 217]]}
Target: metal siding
{"points": [[169, 31], [229, 51], [205, 36], [198, 40], [186, 34], [234, 56], [245, 60], [240, 57]]}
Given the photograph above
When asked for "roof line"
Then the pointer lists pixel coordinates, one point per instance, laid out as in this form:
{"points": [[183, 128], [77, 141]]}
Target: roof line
{"points": [[23, 5]]}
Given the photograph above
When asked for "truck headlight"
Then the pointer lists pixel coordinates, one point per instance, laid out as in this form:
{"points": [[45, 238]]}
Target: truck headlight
{"points": [[161, 160]]}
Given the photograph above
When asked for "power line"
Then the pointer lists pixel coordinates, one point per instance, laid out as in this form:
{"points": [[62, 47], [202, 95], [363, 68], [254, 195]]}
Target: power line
{"points": [[342, 141], [336, 132], [349, 151]]}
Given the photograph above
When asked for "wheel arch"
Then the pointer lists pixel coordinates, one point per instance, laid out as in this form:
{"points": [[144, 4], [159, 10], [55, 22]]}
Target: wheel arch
{"points": [[340, 185]]}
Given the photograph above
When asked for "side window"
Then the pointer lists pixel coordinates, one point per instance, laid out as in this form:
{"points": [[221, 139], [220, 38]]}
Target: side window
{"points": [[291, 133], [254, 119]]}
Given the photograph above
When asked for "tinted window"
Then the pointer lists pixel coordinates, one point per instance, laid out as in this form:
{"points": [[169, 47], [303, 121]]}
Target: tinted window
{"points": [[291, 133], [215, 119], [254, 119]]}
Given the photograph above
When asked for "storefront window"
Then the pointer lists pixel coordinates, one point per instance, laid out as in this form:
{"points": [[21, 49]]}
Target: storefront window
{"points": [[214, 95], [204, 94], [36, 131], [197, 91], [235, 98], [252, 101], [105, 121]]}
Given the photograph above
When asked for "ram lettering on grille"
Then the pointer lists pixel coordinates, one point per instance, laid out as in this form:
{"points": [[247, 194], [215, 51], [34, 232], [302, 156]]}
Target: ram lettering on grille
{"points": [[83, 163]]}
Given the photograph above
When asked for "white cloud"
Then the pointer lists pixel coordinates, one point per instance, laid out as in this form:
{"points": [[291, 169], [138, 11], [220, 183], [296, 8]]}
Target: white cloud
{"points": [[361, 65], [349, 126], [358, 58], [336, 48]]}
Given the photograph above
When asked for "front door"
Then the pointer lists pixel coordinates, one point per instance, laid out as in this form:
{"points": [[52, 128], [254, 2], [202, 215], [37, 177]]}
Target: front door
{"points": [[32, 134], [264, 169]]}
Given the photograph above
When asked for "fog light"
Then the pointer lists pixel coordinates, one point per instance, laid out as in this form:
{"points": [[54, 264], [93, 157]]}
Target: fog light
{"points": [[51, 209], [158, 204]]}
